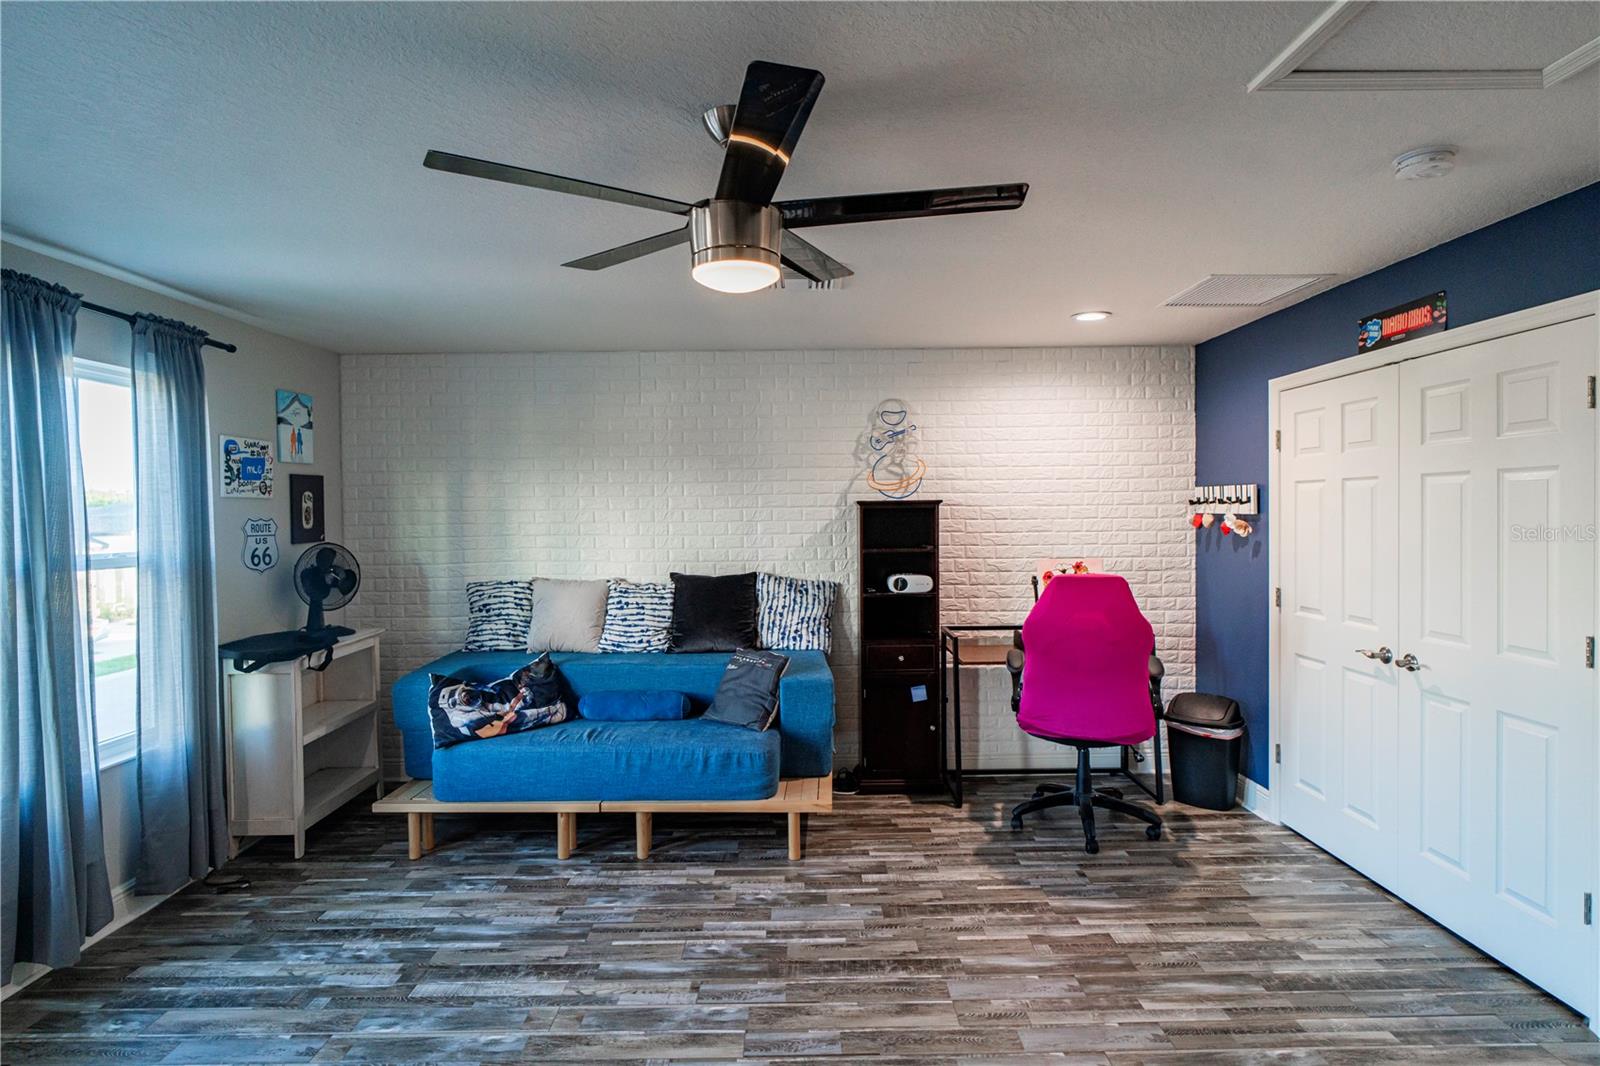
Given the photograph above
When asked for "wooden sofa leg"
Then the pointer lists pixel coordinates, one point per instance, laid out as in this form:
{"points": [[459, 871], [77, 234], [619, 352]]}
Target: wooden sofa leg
{"points": [[641, 828], [794, 835], [427, 832], [564, 835], [414, 834]]}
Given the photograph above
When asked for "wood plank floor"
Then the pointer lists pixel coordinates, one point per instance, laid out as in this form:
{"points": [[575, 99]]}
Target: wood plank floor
{"points": [[911, 933]]}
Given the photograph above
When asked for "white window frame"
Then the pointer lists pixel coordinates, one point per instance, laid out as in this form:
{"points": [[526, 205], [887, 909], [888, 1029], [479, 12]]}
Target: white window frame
{"points": [[119, 749]]}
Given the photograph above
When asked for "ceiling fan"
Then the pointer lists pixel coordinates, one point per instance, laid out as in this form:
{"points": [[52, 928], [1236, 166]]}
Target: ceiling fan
{"points": [[740, 239]]}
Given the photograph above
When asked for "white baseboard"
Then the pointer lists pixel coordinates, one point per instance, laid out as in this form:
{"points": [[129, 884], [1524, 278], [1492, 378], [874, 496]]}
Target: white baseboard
{"points": [[1255, 799], [125, 907]]}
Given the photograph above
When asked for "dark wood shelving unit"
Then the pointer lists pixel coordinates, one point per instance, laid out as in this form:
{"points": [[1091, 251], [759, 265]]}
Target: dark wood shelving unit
{"points": [[900, 697]]}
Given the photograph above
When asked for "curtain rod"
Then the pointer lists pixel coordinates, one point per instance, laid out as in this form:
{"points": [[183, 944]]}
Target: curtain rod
{"points": [[102, 309]]}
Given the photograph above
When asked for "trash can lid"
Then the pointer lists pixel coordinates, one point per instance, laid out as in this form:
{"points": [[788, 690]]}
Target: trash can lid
{"points": [[1205, 709]]}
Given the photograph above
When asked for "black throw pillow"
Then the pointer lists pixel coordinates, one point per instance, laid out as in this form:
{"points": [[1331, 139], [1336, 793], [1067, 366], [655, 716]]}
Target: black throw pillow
{"points": [[713, 613], [747, 695]]}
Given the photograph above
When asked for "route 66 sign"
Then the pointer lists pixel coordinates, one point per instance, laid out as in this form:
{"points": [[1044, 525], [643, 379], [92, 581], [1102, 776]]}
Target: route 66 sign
{"points": [[260, 544]]}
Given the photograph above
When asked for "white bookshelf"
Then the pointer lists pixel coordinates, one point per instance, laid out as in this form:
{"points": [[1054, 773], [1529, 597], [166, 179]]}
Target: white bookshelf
{"points": [[301, 742]]}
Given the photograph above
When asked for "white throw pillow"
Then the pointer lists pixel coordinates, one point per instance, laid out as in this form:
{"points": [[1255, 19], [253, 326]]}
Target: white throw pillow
{"points": [[567, 615]]}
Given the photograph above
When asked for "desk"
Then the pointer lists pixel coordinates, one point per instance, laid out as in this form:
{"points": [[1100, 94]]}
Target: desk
{"points": [[956, 652]]}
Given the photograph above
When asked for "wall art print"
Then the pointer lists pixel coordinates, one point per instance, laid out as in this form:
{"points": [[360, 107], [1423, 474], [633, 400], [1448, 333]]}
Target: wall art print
{"points": [[246, 466], [295, 436]]}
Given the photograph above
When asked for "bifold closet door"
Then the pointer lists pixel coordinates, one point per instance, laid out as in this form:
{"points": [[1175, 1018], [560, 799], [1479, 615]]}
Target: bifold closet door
{"points": [[1337, 568], [1497, 735]]}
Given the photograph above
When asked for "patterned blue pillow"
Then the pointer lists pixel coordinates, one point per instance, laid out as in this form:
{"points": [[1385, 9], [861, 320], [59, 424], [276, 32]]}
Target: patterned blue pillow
{"points": [[638, 616], [498, 615], [793, 613]]}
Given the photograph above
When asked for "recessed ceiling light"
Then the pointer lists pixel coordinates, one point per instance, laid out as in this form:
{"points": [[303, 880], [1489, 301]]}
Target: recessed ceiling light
{"points": [[1091, 316]]}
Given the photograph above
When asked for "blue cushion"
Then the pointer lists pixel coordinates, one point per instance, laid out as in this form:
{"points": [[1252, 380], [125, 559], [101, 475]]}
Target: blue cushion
{"points": [[805, 696], [633, 706], [583, 760]]}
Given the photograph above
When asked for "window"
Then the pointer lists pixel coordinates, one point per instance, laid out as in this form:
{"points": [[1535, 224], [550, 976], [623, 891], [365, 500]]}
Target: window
{"points": [[109, 587]]}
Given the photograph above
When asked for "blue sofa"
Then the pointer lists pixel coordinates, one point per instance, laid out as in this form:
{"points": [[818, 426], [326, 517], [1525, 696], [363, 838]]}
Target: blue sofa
{"points": [[576, 760]]}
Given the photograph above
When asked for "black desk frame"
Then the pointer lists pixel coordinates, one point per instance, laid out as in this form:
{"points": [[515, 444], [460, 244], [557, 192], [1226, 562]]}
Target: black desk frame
{"points": [[950, 725]]}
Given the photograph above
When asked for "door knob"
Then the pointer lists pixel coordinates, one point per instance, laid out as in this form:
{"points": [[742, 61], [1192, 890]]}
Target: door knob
{"points": [[1383, 654], [1408, 662]]}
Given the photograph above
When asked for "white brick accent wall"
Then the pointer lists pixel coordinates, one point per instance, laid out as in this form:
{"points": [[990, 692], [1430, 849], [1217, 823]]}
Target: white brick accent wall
{"points": [[458, 467]]}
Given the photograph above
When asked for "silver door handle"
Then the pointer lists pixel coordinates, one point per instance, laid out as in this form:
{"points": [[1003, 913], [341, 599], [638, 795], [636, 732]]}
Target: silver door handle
{"points": [[1383, 654], [1408, 662]]}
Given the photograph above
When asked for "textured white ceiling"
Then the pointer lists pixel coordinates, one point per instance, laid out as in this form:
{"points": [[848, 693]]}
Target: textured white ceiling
{"points": [[268, 157]]}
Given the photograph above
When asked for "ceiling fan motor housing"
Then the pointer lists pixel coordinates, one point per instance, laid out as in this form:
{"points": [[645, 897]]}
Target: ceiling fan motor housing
{"points": [[724, 230]]}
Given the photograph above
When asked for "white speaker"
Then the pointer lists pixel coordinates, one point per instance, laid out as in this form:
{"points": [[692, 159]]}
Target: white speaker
{"points": [[910, 583]]}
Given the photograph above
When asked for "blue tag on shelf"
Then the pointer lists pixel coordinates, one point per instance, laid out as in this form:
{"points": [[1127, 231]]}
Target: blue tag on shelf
{"points": [[919, 693]]}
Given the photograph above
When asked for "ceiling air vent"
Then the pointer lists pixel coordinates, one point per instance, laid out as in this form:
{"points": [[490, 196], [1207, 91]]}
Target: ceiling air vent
{"points": [[1244, 290]]}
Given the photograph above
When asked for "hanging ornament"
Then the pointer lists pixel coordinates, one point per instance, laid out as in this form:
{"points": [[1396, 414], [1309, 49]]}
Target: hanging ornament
{"points": [[1207, 518], [1228, 521], [1242, 529], [1196, 521]]}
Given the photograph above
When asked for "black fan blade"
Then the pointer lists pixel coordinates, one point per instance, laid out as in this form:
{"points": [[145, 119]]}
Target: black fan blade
{"points": [[347, 581], [624, 252], [773, 108], [806, 258], [534, 179], [881, 206]]}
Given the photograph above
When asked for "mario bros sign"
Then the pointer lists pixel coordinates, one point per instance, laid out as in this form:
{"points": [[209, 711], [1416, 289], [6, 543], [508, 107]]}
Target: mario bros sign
{"points": [[1402, 323]]}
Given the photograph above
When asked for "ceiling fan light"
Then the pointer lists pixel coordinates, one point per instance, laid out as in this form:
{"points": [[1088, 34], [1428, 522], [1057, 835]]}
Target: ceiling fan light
{"points": [[734, 246], [736, 275]]}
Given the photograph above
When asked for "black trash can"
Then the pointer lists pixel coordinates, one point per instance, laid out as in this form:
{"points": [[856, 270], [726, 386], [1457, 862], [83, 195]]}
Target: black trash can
{"points": [[1204, 734]]}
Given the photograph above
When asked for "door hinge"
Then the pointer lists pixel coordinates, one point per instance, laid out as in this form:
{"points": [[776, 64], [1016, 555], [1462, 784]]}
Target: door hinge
{"points": [[1277, 436], [1588, 908], [1591, 392], [1277, 597], [1588, 652], [1277, 754]]}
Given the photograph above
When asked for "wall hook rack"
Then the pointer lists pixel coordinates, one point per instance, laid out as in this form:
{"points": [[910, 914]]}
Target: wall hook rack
{"points": [[1237, 499]]}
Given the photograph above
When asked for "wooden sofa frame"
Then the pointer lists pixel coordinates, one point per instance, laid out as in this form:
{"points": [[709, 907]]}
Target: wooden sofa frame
{"points": [[795, 796]]}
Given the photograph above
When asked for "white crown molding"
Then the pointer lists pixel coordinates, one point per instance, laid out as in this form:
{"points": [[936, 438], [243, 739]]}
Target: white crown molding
{"points": [[1579, 59], [1283, 73], [66, 255], [1311, 39]]}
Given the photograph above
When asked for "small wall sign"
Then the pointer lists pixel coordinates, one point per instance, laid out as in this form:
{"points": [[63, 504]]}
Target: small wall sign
{"points": [[1402, 323], [260, 544], [305, 508]]}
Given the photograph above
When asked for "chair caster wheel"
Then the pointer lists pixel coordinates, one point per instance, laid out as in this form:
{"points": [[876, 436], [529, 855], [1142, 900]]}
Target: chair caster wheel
{"points": [[1152, 832], [1092, 847]]}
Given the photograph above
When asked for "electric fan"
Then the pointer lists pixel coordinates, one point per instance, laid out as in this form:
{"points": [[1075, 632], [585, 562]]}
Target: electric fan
{"points": [[326, 577]]}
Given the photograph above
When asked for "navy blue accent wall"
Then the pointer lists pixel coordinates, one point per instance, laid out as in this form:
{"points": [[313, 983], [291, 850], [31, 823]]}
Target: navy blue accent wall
{"points": [[1545, 253]]}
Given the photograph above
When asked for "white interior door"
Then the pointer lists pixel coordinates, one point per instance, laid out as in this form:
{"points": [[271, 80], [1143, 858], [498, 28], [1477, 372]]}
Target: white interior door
{"points": [[1497, 738], [1337, 565]]}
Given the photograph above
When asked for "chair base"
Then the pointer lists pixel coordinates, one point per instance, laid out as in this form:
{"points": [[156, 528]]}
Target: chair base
{"points": [[1086, 798]]}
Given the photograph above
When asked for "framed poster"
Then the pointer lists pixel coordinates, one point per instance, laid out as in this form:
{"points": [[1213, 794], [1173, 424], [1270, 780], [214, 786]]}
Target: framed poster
{"points": [[246, 466], [305, 508], [294, 426]]}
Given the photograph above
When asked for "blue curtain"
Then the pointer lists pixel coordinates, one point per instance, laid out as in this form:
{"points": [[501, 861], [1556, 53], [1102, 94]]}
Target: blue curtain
{"points": [[52, 866], [183, 823]]}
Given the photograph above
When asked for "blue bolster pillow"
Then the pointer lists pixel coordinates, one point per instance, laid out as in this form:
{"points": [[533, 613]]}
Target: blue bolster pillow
{"points": [[641, 706]]}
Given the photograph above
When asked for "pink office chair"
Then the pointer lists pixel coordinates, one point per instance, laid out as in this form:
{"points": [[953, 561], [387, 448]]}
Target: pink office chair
{"points": [[1086, 677]]}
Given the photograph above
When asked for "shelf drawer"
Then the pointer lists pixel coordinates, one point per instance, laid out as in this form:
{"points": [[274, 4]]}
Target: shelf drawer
{"points": [[901, 657]]}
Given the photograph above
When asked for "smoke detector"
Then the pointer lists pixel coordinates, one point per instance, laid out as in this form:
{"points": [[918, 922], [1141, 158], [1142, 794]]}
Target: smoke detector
{"points": [[1433, 162]]}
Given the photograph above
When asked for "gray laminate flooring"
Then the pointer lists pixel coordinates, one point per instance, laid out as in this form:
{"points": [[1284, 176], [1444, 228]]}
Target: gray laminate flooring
{"points": [[910, 933]]}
